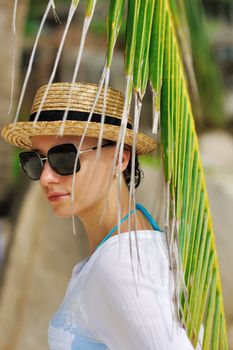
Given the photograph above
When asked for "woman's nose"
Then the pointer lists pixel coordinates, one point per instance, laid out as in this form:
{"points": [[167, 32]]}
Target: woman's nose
{"points": [[48, 175]]}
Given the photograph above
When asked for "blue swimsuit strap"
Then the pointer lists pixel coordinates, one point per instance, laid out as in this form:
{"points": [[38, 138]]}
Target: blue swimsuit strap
{"points": [[114, 228], [144, 211], [148, 216]]}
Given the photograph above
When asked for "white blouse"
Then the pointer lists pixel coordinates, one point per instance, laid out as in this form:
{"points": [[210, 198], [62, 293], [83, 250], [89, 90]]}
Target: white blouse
{"points": [[107, 307]]}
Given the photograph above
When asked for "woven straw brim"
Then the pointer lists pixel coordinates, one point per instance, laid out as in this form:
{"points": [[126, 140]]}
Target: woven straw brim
{"points": [[80, 98], [19, 134]]}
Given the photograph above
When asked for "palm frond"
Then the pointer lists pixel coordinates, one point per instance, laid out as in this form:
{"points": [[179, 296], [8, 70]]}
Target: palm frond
{"points": [[203, 304]]}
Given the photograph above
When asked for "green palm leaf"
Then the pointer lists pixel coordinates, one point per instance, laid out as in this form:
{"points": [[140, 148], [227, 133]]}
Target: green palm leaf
{"points": [[188, 214], [184, 174]]}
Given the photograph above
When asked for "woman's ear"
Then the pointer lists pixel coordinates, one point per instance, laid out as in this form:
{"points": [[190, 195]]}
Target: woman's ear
{"points": [[125, 159]]}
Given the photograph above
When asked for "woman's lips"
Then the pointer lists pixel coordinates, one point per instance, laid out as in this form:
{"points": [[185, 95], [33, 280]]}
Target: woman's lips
{"points": [[56, 196]]}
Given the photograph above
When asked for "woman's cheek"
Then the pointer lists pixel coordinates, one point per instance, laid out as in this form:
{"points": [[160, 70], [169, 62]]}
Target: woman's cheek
{"points": [[91, 182]]}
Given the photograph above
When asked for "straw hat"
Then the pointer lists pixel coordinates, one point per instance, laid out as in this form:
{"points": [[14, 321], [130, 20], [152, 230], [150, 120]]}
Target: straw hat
{"points": [[80, 103]]}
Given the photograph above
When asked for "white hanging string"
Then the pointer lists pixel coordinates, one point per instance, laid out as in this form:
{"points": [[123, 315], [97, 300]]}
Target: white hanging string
{"points": [[29, 69], [107, 78], [176, 266], [87, 22], [102, 79], [100, 139], [13, 54], [125, 111], [57, 19], [69, 19], [137, 113], [119, 143], [155, 113]]}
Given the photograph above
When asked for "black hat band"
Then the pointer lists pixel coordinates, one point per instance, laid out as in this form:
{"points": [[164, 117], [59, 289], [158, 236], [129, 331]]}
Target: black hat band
{"points": [[53, 115]]}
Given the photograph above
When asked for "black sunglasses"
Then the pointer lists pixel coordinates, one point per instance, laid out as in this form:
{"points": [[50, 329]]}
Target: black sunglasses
{"points": [[61, 158]]}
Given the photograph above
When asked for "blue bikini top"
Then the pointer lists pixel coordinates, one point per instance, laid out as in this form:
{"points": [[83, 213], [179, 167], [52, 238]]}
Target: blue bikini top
{"points": [[144, 211]]}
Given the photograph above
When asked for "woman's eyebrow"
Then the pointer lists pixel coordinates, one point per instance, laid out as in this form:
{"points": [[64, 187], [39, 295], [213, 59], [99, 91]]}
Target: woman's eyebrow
{"points": [[36, 150]]}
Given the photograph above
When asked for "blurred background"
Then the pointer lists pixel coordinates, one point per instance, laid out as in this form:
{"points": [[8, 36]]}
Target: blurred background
{"points": [[38, 250]]}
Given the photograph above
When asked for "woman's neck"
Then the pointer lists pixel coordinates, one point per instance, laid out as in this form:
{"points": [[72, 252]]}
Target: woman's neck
{"points": [[100, 219]]}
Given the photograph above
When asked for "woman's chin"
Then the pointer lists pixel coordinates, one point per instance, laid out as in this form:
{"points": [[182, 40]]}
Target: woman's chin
{"points": [[62, 211], [62, 215]]}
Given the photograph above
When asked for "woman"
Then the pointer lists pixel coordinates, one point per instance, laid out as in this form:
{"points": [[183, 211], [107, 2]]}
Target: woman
{"points": [[105, 306]]}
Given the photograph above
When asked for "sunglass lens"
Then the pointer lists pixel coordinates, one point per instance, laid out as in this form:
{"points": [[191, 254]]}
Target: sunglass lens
{"points": [[62, 159], [31, 164]]}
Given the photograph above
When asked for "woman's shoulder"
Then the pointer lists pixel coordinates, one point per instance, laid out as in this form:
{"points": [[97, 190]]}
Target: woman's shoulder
{"points": [[121, 249], [126, 244], [123, 257]]}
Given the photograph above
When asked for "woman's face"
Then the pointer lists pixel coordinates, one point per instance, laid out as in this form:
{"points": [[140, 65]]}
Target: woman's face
{"points": [[91, 183]]}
